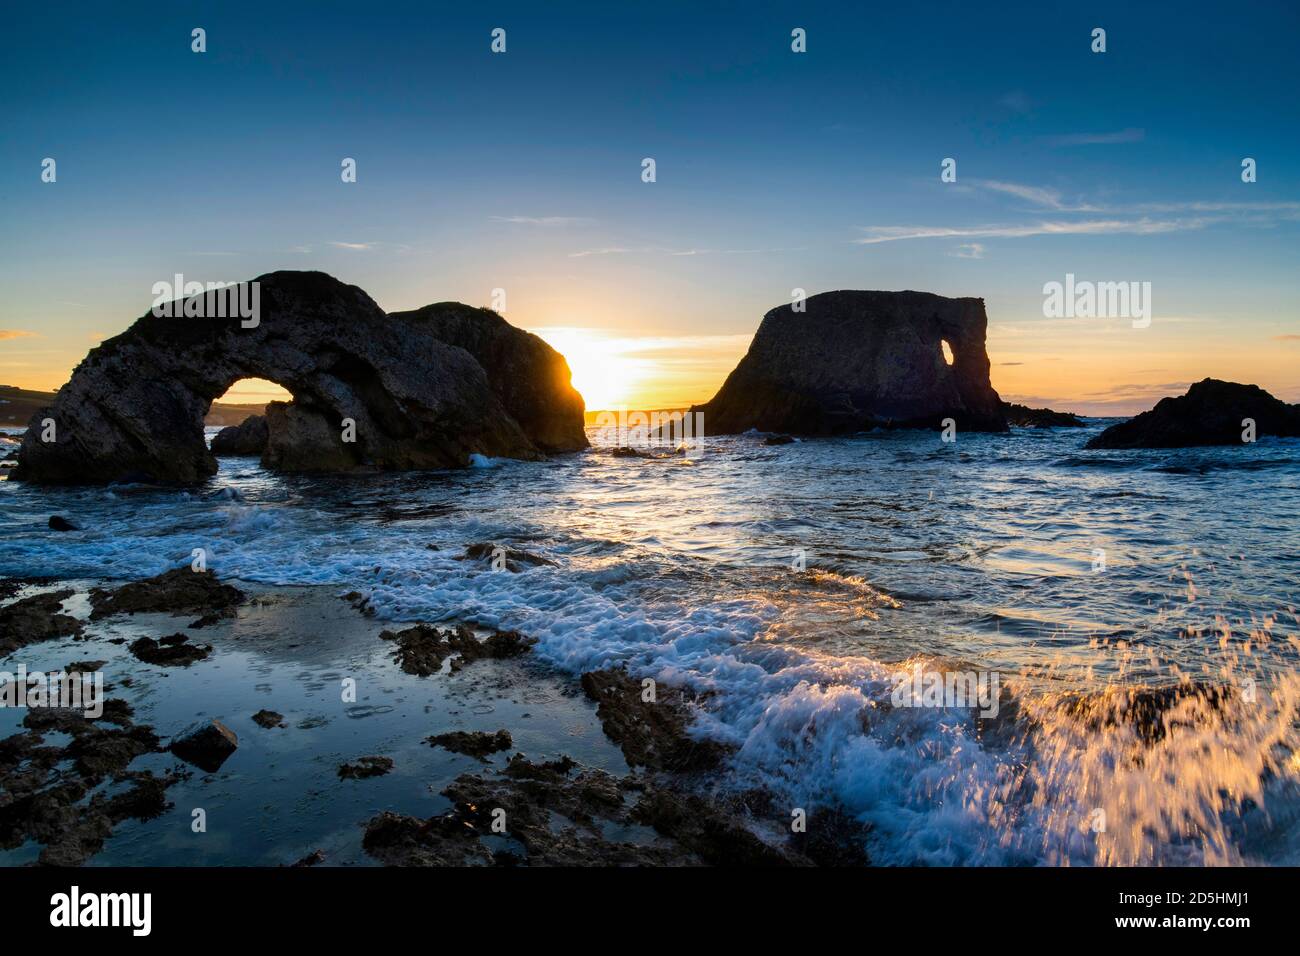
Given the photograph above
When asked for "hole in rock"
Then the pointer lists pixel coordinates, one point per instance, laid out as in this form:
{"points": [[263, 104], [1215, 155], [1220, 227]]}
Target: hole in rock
{"points": [[248, 396], [947, 351]]}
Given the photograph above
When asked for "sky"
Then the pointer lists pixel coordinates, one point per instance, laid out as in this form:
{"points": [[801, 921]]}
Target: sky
{"points": [[774, 171]]}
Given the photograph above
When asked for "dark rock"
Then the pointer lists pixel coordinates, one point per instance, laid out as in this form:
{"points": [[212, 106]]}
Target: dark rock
{"points": [[1022, 416], [134, 408], [169, 652], [854, 361], [58, 523], [422, 649], [44, 789], [207, 747], [513, 559], [778, 440], [315, 858], [365, 767], [475, 743], [179, 591], [1150, 712], [247, 438], [530, 378], [697, 824], [651, 734], [34, 619], [268, 719], [1211, 413], [397, 840]]}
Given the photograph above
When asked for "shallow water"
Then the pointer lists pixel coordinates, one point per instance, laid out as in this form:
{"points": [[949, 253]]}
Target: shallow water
{"points": [[794, 580]]}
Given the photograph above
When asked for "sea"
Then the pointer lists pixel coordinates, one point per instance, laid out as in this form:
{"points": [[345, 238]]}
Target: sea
{"points": [[804, 592]]}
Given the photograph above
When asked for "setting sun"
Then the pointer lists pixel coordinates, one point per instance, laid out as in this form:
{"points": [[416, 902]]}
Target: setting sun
{"points": [[602, 372]]}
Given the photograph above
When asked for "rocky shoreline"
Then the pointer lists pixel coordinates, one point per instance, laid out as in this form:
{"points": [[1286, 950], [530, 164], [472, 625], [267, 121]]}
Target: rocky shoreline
{"points": [[70, 783]]}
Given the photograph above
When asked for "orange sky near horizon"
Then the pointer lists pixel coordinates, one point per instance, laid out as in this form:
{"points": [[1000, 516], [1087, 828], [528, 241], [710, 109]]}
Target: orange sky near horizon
{"points": [[1093, 367]]}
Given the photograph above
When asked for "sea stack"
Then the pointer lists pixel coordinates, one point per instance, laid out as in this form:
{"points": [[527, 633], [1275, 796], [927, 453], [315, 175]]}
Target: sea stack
{"points": [[371, 391], [853, 361], [1211, 413]]}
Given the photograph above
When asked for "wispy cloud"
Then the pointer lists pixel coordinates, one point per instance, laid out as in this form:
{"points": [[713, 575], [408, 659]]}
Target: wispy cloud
{"points": [[1130, 135], [15, 334], [969, 250], [1084, 227], [1276, 338], [354, 246], [543, 220]]}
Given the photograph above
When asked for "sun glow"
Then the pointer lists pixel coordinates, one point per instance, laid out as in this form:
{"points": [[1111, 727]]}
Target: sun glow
{"points": [[602, 372]]}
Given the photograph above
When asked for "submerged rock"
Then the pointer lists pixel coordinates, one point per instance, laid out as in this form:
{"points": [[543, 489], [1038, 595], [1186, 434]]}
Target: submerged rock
{"points": [[44, 789], [1211, 413], [172, 651], [651, 733], [422, 649], [59, 523], [365, 767], [511, 559], [1023, 416], [854, 361], [371, 391], [268, 719], [476, 743], [248, 438], [207, 747], [34, 619], [179, 591]]}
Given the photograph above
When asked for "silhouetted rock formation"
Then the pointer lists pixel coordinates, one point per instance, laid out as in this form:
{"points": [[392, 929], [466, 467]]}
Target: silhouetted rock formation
{"points": [[854, 361], [529, 377], [1025, 417], [133, 409], [1211, 413], [247, 438]]}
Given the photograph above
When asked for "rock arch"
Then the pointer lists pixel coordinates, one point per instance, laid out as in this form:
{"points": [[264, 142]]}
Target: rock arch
{"points": [[133, 409]]}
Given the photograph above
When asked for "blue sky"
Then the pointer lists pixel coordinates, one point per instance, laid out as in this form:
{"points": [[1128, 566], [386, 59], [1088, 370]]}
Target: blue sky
{"points": [[775, 170]]}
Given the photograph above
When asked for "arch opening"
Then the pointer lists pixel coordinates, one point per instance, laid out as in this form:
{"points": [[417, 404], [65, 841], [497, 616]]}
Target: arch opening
{"points": [[946, 350]]}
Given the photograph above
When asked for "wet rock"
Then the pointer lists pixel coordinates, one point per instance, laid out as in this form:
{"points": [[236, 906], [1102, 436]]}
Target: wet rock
{"points": [[248, 438], [513, 559], [35, 619], [778, 440], [173, 651], [696, 824], [398, 840], [179, 591], [207, 746], [315, 858], [365, 767], [475, 743], [651, 734], [833, 839], [134, 408], [269, 719], [59, 523], [422, 649], [853, 361], [1211, 413], [44, 789], [1150, 712], [1023, 416]]}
